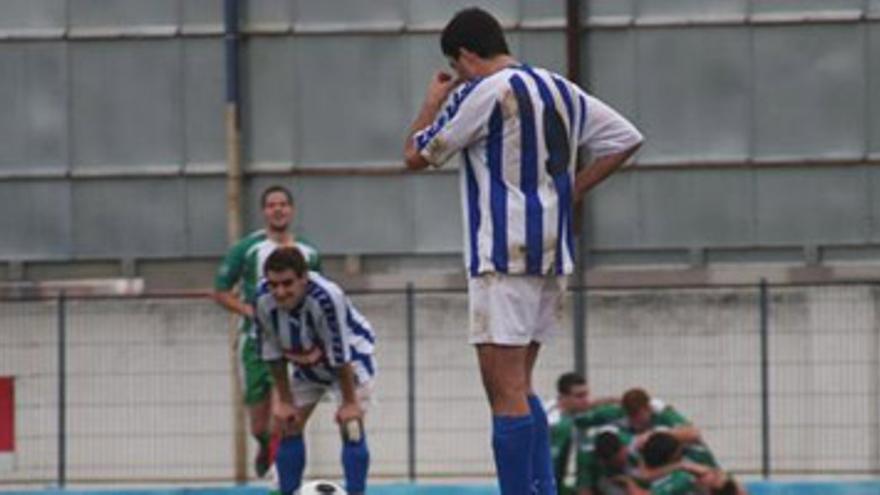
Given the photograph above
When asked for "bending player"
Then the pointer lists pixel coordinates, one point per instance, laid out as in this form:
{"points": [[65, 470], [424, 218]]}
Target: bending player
{"points": [[305, 319]]}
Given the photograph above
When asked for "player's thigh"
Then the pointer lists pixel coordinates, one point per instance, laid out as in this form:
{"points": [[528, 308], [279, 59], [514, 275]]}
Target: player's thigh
{"points": [[503, 309], [256, 379], [364, 392], [550, 308]]}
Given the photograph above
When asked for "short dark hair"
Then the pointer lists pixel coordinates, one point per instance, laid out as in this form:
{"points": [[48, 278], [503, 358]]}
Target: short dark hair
{"points": [[608, 444], [660, 449], [286, 258], [475, 30], [274, 189], [634, 400], [567, 381]]}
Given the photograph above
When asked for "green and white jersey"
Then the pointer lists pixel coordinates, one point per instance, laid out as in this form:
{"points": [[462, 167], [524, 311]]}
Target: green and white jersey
{"points": [[662, 416], [568, 432], [677, 483], [244, 263], [595, 474]]}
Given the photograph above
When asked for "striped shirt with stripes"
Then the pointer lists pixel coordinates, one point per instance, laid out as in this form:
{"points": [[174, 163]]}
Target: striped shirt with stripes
{"points": [[325, 318], [518, 132]]}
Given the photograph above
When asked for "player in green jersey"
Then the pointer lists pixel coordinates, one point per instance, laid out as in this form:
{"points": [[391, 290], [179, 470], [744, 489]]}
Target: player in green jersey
{"points": [[242, 268], [570, 416], [674, 470], [606, 462], [644, 415]]}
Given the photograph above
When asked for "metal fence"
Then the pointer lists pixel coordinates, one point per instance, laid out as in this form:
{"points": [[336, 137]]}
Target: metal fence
{"points": [[781, 379]]}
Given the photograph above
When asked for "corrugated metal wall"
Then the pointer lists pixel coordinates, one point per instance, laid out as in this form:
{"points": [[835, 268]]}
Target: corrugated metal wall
{"points": [[761, 118]]}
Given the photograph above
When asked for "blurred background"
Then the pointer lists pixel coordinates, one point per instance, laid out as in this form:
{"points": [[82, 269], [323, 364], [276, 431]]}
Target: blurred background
{"points": [[731, 269]]}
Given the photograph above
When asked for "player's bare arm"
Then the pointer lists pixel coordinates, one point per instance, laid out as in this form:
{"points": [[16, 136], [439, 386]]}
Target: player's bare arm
{"points": [[349, 409], [283, 410], [599, 170], [230, 301], [442, 83]]}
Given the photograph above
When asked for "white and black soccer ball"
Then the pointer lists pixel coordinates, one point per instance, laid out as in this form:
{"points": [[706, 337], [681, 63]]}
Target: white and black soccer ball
{"points": [[321, 487]]}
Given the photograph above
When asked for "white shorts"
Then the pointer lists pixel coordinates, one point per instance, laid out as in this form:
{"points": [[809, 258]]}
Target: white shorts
{"points": [[306, 393], [514, 309]]}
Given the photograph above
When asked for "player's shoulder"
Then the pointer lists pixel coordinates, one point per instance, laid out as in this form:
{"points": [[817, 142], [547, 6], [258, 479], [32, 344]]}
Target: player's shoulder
{"points": [[264, 301], [322, 287], [250, 239]]}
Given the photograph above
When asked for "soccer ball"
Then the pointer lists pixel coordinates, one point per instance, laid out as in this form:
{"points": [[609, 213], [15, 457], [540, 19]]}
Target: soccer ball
{"points": [[321, 487]]}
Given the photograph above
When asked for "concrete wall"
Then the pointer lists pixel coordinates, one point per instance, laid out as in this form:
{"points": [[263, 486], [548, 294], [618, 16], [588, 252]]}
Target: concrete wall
{"points": [[149, 388]]}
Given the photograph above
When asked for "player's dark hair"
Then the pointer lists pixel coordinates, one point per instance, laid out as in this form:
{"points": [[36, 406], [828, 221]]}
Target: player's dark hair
{"points": [[634, 400], [661, 449], [286, 258], [568, 381], [608, 444], [475, 30], [728, 488], [274, 189]]}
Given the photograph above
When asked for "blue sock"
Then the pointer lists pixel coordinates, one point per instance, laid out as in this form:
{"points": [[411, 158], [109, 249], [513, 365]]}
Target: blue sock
{"points": [[512, 440], [542, 462], [355, 463], [290, 461]]}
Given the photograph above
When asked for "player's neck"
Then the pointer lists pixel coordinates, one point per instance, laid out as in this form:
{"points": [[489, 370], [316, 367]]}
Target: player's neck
{"points": [[495, 64], [281, 237]]}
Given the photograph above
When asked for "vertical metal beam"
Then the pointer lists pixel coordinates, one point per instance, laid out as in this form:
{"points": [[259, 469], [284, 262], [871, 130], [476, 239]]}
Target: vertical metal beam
{"points": [[233, 216], [579, 305], [62, 389], [765, 380], [411, 381]]}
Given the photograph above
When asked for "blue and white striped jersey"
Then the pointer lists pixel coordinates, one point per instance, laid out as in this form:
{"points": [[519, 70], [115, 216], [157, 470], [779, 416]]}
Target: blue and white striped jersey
{"points": [[325, 318], [518, 131]]}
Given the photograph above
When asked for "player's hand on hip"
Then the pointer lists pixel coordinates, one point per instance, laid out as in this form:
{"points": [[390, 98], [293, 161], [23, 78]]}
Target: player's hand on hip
{"points": [[348, 412]]}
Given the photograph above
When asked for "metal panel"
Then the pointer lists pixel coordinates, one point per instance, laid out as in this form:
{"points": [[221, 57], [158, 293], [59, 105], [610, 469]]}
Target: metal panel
{"points": [[697, 207], [33, 123], [205, 215], [202, 12], [692, 9], [434, 13], [267, 12], [348, 13], [123, 13], [204, 93], [807, 100], [351, 111], [873, 93], [542, 12], [119, 218], [805, 6], [609, 69], [608, 10], [874, 195], [543, 49], [33, 14], [828, 205], [436, 214], [695, 103], [613, 213], [130, 115], [347, 215], [36, 219], [269, 106], [873, 7]]}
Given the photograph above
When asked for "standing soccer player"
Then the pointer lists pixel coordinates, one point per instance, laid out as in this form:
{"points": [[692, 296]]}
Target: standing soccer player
{"points": [[243, 265], [518, 129], [307, 320]]}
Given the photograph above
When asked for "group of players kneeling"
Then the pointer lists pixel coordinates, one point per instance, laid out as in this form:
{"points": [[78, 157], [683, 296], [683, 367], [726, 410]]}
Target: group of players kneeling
{"points": [[629, 445]]}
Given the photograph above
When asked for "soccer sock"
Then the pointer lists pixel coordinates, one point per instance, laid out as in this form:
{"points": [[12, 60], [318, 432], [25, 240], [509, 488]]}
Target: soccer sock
{"points": [[512, 440], [290, 462], [356, 463], [542, 462]]}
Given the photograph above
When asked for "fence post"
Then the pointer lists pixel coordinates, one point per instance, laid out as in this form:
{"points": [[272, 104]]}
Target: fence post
{"points": [[411, 381], [62, 389], [765, 381]]}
